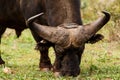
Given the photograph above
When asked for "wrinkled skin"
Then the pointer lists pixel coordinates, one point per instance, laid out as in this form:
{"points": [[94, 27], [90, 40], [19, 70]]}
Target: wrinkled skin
{"points": [[65, 16]]}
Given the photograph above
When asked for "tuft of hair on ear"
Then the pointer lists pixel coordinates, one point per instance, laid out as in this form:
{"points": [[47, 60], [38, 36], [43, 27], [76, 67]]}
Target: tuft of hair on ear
{"points": [[95, 38]]}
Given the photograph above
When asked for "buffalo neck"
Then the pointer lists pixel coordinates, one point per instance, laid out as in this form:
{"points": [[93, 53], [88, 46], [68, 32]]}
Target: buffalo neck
{"points": [[63, 11]]}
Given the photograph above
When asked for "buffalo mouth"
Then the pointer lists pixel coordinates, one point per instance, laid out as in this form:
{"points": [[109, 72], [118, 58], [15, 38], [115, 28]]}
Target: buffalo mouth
{"points": [[68, 69], [67, 63]]}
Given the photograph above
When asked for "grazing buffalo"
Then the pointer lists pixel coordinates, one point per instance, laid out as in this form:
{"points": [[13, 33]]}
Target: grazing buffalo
{"points": [[66, 34], [60, 27]]}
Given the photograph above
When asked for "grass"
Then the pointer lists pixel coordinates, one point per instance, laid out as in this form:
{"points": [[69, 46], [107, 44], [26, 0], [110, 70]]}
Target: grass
{"points": [[100, 61]]}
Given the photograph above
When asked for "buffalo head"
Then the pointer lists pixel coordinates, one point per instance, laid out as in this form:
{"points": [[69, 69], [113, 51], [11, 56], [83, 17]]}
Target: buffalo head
{"points": [[69, 41]]}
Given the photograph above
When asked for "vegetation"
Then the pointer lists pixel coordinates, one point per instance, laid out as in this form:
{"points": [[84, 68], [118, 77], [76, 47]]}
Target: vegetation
{"points": [[100, 61]]}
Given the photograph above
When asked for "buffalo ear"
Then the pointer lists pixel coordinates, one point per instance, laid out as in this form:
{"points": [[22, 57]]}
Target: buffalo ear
{"points": [[95, 38]]}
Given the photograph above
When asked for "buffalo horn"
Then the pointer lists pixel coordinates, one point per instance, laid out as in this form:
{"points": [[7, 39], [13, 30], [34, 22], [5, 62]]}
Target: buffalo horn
{"points": [[48, 33], [91, 29]]}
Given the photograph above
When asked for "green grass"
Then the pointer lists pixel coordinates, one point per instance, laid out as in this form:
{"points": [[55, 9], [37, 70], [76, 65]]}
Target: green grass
{"points": [[100, 61]]}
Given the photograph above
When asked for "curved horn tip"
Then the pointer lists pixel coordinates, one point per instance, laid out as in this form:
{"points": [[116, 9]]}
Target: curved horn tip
{"points": [[106, 13], [31, 19]]}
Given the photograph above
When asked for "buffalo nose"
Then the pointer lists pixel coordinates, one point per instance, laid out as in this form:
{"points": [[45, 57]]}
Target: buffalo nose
{"points": [[70, 73]]}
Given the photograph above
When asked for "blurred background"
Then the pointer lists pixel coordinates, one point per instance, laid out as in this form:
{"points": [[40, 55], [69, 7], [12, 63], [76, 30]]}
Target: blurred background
{"points": [[91, 9]]}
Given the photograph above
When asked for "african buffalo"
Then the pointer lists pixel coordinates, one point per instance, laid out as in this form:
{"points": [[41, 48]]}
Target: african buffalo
{"points": [[60, 27], [66, 33]]}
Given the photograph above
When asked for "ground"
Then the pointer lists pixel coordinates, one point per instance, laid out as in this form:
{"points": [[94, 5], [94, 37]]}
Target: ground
{"points": [[100, 61]]}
